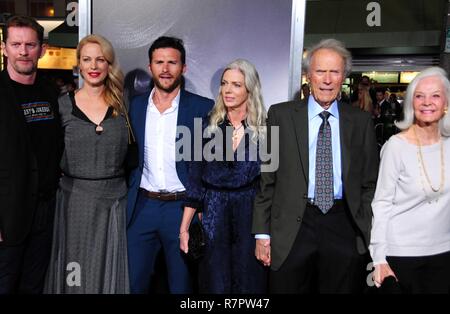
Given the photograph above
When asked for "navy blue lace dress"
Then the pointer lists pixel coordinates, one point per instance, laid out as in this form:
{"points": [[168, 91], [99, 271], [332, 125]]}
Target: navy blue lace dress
{"points": [[225, 190]]}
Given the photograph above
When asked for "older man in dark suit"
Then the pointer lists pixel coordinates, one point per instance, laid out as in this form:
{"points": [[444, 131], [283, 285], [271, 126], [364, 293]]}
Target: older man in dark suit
{"points": [[312, 215]]}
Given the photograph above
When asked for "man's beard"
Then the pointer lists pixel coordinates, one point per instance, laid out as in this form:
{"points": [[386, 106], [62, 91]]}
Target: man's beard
{"points": [[25, 70], [171, 88]]}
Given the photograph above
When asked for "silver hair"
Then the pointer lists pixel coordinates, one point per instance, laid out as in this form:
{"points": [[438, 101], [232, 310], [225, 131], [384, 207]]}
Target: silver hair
{"points": [[331, 44], [408, 108]]}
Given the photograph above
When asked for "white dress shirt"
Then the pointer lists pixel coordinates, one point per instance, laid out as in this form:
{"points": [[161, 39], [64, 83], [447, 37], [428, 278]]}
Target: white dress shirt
{"points": [[160, 173]]}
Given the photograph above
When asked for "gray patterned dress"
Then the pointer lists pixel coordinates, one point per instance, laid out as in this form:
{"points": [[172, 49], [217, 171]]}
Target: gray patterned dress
{"points": [[89, 240]]}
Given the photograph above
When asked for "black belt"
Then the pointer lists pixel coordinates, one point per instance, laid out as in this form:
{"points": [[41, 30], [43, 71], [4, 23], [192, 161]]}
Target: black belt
{"points": [[163, 196]]}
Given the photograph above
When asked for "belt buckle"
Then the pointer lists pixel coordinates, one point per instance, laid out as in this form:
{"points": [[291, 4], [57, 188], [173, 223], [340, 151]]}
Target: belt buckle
{"points": [[162, 193]]}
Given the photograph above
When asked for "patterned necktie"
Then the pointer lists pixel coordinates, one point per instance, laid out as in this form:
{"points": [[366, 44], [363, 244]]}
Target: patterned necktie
{"points": [[323, 194]]}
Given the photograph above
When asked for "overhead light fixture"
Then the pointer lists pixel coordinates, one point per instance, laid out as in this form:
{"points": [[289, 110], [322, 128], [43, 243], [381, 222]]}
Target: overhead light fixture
{"points": [[50, 11]]}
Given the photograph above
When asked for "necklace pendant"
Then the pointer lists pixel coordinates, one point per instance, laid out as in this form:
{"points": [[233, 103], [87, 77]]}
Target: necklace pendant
{"points": [[98, 129]]}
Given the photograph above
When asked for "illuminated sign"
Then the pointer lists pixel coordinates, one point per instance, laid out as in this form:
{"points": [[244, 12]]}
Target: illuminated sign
{"points": [[383, 77], [56, 58], [407, 77]]}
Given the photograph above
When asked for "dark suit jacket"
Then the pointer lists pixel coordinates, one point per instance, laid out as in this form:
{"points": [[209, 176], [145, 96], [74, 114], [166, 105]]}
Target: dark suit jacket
{"points": [[384, 107], [191, 106], [281, 202], [18, 165]]}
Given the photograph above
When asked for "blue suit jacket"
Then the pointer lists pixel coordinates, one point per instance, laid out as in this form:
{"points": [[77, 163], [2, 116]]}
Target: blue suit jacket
{"points": [[191, 106]]}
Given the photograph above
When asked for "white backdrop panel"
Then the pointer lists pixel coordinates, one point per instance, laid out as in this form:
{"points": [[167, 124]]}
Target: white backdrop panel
{"points": [[215, 32]]}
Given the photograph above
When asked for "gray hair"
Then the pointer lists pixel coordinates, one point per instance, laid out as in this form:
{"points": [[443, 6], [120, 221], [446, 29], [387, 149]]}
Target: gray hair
{"points": [[408, 108], [331, 44]]}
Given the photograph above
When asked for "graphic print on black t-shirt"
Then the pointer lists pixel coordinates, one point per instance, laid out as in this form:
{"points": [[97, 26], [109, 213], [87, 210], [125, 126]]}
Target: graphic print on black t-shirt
{"points": [[37, 111]]}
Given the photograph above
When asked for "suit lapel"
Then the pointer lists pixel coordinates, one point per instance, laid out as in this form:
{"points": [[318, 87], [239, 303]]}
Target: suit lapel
{"points": [[184, 119], [183, 109], [300, 121], [140, 121], [345, 130]]}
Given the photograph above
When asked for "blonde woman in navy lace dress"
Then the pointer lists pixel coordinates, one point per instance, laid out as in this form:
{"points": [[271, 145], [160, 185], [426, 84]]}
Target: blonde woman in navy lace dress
{"points": [[224, 188]]}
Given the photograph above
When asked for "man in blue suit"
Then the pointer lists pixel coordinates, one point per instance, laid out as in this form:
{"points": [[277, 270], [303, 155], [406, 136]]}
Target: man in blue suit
{"points": [[157, 185]]}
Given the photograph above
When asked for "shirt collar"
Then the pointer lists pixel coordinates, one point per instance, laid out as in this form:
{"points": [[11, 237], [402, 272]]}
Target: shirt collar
{"points": [[314, 109], [175, 101]]}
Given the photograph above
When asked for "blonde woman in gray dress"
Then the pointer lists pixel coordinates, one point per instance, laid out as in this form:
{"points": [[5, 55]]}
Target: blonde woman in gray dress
{"points": [[89, 249]]}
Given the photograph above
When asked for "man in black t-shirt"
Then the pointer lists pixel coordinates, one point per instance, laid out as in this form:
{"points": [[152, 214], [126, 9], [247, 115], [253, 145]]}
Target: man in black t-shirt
{"points": [[30, 146]]}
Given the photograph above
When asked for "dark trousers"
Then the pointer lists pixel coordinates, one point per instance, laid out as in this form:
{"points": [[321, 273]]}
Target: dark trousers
{"points": [[156, 226], [422, 274], [323, 258], [23, 267]]}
